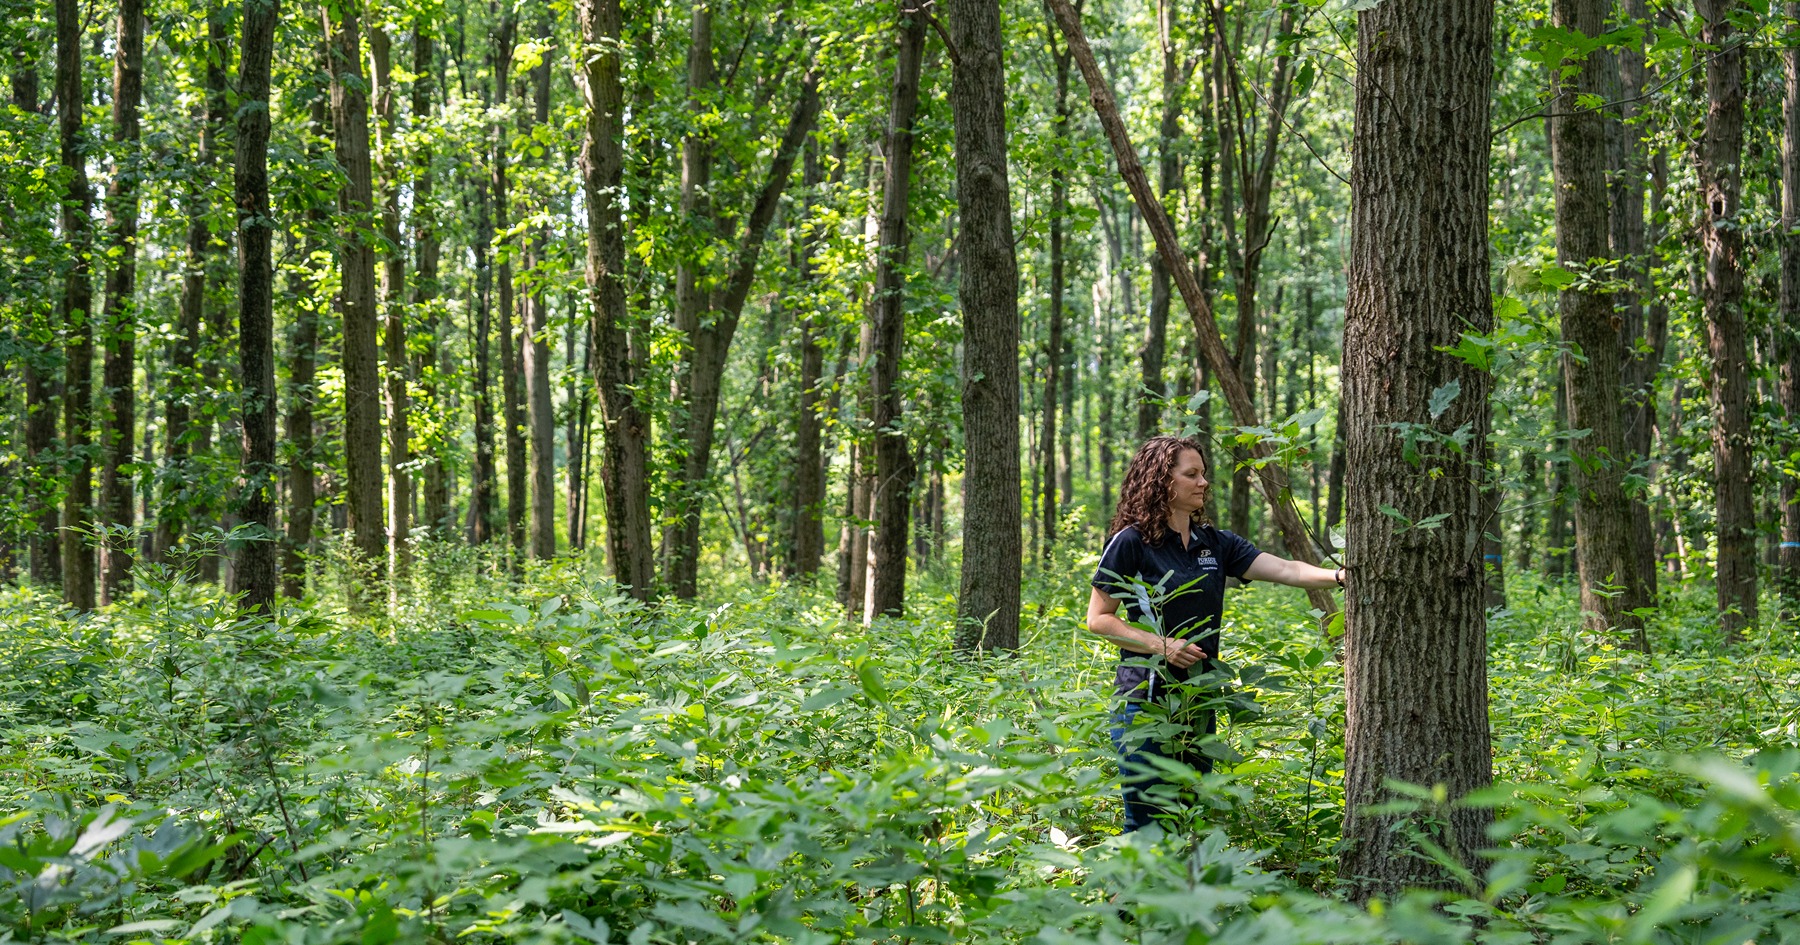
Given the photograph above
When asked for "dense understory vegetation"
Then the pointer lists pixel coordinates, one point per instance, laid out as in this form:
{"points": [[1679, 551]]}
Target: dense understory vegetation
{"points": [[547, 761]]}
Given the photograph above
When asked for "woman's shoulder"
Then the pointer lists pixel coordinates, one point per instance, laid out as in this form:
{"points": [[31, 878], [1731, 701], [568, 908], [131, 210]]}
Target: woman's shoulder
{"points": [[1126, 537]]}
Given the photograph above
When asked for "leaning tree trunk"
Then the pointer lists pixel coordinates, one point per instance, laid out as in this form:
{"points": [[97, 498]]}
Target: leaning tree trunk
{"points": [[1415, 650], [988, 607], [254, 564], [1606, 553], [392, 293], [76, 315], [1788, 343], [362, 377], [1717, 162], [119, 320], [893, 461], [536, 350], [624, 470]]}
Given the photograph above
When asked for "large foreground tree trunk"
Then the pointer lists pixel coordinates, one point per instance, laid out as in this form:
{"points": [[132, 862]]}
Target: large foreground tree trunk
{"points": [[624, 471], [119, 320], [1606, 547], [255, 571], [893, 461], [362, 378], [76, 315], [1415, 650], [988, 606], [1718, 160]]}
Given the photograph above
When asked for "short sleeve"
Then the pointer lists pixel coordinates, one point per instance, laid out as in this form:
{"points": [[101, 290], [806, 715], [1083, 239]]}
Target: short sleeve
{"points": [[1121, 561], [1236, 553]]}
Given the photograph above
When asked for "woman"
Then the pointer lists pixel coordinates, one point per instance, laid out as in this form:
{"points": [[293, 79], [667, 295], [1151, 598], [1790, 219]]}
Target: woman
{"points": [[1169, 571]]}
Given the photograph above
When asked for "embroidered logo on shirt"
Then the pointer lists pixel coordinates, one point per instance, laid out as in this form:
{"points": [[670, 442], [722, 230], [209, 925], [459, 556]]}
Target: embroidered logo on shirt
{"points": [[1204, 558]]}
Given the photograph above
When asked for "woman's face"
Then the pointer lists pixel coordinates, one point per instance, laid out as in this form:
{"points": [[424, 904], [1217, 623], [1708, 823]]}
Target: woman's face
{"points": [[1187, 489]]}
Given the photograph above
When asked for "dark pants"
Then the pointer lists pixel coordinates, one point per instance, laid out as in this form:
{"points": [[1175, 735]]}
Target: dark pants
{"points": [[1146, 789]]}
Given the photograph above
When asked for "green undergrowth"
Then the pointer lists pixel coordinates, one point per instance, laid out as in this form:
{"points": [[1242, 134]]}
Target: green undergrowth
{"points": [[544, 760]]}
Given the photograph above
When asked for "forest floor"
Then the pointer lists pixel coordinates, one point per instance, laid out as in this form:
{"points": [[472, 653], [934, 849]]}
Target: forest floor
{"points": [[540, 760]]}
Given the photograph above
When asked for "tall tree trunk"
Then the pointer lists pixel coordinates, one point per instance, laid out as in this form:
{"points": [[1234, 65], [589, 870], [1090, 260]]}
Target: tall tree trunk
{"points": [[1611, 582], [119, 319], [1639, 307], [691, 302], [362, 377], [512, 407], [1415, 650], [1718, 160], [42, 522], [436, 492], [76, 315], [624, 471], [302, 485], [806, 511], [1168, 174], [1788, 324], [1556, 531], [176, 501], [483, 508], [255, 561], [392, 290], [894, 471], [700, 382], [540, 412], [1053, 348], [988, 606]]}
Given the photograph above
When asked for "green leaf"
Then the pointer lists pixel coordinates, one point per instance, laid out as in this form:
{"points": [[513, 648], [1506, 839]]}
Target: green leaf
{"points": [[1443, 397], [825, 698]]}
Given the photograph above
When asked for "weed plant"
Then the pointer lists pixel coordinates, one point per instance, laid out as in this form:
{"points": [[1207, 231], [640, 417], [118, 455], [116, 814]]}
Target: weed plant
{"points": [[542, 760]]}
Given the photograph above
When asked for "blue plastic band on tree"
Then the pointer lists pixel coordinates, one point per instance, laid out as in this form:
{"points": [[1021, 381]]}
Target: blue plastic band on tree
{"points": [[1490, 557], [1790, 544]]}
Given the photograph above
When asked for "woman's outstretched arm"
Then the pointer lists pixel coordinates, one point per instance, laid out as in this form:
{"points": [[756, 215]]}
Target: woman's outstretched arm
{"points": [[1278, 570]]}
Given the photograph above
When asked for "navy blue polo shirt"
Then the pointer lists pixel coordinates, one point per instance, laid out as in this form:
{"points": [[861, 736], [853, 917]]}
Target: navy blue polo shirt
{"points": [[1177, 591]]}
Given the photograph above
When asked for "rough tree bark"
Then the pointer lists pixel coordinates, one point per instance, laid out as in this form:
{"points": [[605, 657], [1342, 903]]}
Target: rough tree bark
{"points": [[1054, 346], [1415, 649], [1717, 162], [893, 461], [362, 378], [45, 554], [624, 469], [536, 353], [254, 570], [1644, 316], [76, 315], [988, 607], [118, 321], [1611, 581], [302, 486]]}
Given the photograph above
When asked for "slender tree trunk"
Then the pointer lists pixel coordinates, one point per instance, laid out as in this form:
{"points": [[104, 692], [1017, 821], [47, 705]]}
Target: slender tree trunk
{"points": [[392, 301], [1168, 168], [540, 412], [1415, 650], [76, 315], [624, 471], [42, 521], [119, 319], [512, 407], [894, 471], [1611, 582], [255, 562], [806, 511], [575, 435], [1640, 309], [483, 508], [1718, 161], [425, 286], [988, 607], [1556, 532], [362, 377], [302, 486], [176, 505], [1053, 348], [1788, 324]]}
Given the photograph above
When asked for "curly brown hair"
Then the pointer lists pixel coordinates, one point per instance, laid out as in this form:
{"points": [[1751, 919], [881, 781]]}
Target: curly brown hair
{"points": [[1144, 496]]}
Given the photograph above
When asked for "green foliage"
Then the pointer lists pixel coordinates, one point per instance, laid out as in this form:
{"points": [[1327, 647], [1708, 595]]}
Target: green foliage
{"points": [[556, 763]]}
